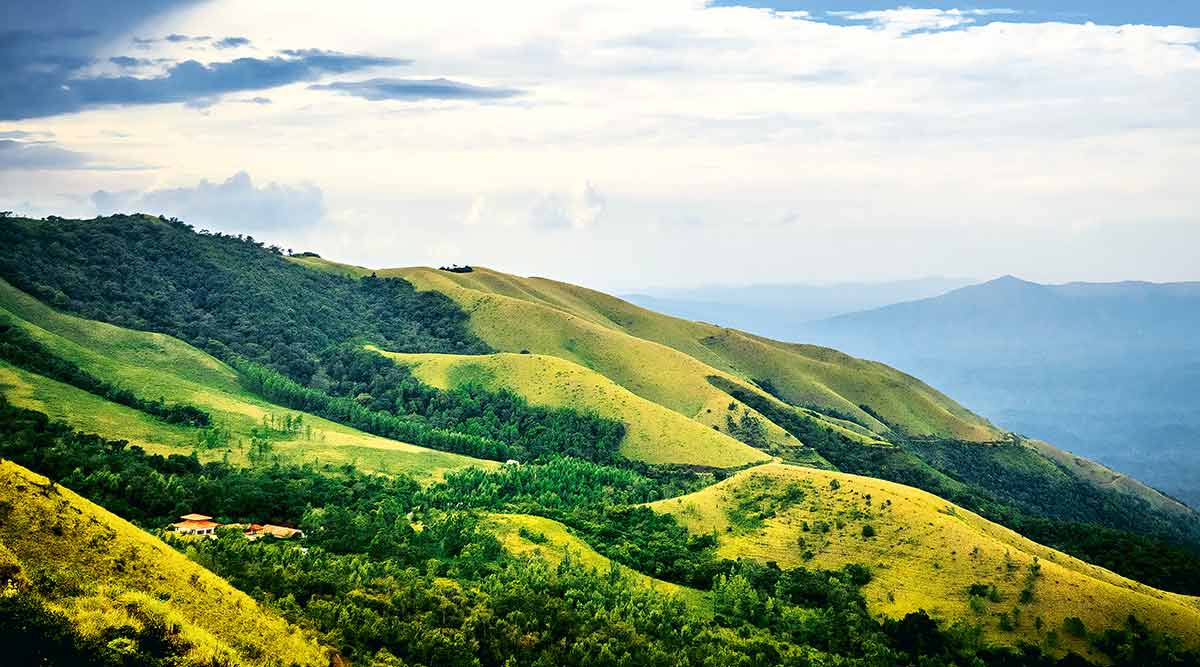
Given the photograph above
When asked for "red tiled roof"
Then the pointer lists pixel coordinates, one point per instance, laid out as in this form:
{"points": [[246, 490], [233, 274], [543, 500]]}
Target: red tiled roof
{"points": [[196, 525]]}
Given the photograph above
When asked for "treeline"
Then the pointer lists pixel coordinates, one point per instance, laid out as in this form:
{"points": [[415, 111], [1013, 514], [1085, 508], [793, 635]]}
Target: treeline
{"points": [[228, 295], [603, 505], [18, 348], [152, 490], [1013, 486], [284, 391], [490, 425], [381, 385]]}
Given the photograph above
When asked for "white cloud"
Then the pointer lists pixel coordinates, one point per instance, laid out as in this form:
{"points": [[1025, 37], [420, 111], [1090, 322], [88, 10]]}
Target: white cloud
{"points": [[904, 20], [729, 118], [477, 212], [577, 208], [234, 205]]}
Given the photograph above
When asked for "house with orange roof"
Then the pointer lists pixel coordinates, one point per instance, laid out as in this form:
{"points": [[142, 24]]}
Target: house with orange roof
{"points": [[195, 524], [257, 531]]}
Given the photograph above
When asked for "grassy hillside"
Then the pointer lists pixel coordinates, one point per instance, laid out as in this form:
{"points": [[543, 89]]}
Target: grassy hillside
{"points": [[925, 554], [104, 573], [653, 433], [512, 313], [160, 366], [645, 353]]}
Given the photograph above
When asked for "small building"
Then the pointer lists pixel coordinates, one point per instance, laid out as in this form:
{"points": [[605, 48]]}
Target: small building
{"points": [[195, 524], [257, 531]]}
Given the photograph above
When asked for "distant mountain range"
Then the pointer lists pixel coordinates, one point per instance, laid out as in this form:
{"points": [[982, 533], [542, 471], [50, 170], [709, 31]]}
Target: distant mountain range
{"points": [[777, 310], [1108, 370]]}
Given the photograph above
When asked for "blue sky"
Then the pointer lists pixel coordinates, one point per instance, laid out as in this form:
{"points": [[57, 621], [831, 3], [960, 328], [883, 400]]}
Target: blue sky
{"points": [[625, 143], [1113, 12]]}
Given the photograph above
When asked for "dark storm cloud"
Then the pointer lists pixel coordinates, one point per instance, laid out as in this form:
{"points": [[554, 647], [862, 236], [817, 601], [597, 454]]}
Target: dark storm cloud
{"points": [[129, 61], [57, 89], [231, 42], [47, 48], [176, 38], [417, 89]]}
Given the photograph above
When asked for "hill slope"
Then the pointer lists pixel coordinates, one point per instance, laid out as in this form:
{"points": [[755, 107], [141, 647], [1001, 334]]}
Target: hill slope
{"points": [[653, 433], [924, 553], [585, 326], [523, 533], [104, 573], [160, 366], [603, 333]]}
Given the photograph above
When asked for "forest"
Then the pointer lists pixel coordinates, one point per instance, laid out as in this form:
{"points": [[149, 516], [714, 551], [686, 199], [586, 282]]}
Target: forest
{"points": [[370, 392], [383, 593], [224, 294]]}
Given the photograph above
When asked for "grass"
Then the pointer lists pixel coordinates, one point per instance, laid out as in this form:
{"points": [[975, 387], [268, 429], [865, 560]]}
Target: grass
{"points": [[522, 533], [925, 554], [653, 433], [513, 313], [154, 366], [103, 572]]}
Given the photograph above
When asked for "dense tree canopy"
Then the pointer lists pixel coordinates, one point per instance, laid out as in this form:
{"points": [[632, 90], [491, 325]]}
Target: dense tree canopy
{"points": [[224, 294]]}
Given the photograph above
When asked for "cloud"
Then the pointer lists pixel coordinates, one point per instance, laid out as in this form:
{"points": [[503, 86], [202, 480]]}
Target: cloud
{"points": [[729, 117], [233, 205], [36, 92], [579, 208], [476, 214], [176, 38], [23, 134], [904, 20], [231, 42], [129, 62], [38, 155], [416, 89], [37, 152]]}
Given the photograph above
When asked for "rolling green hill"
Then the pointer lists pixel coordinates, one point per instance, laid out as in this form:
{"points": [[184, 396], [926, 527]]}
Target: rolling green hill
{"points": [[112, 580], [161, 366], [653, 433], [549, 317], [524, 534], [671, 362], [925, 553], [829, 477]]}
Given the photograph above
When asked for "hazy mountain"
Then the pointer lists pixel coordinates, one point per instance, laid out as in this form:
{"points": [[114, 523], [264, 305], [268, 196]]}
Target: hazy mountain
{"points": [[1108, 370], [776, 310]]}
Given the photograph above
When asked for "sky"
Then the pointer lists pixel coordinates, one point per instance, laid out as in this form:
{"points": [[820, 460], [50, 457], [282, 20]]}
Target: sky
{"points": [[625, 144]]}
